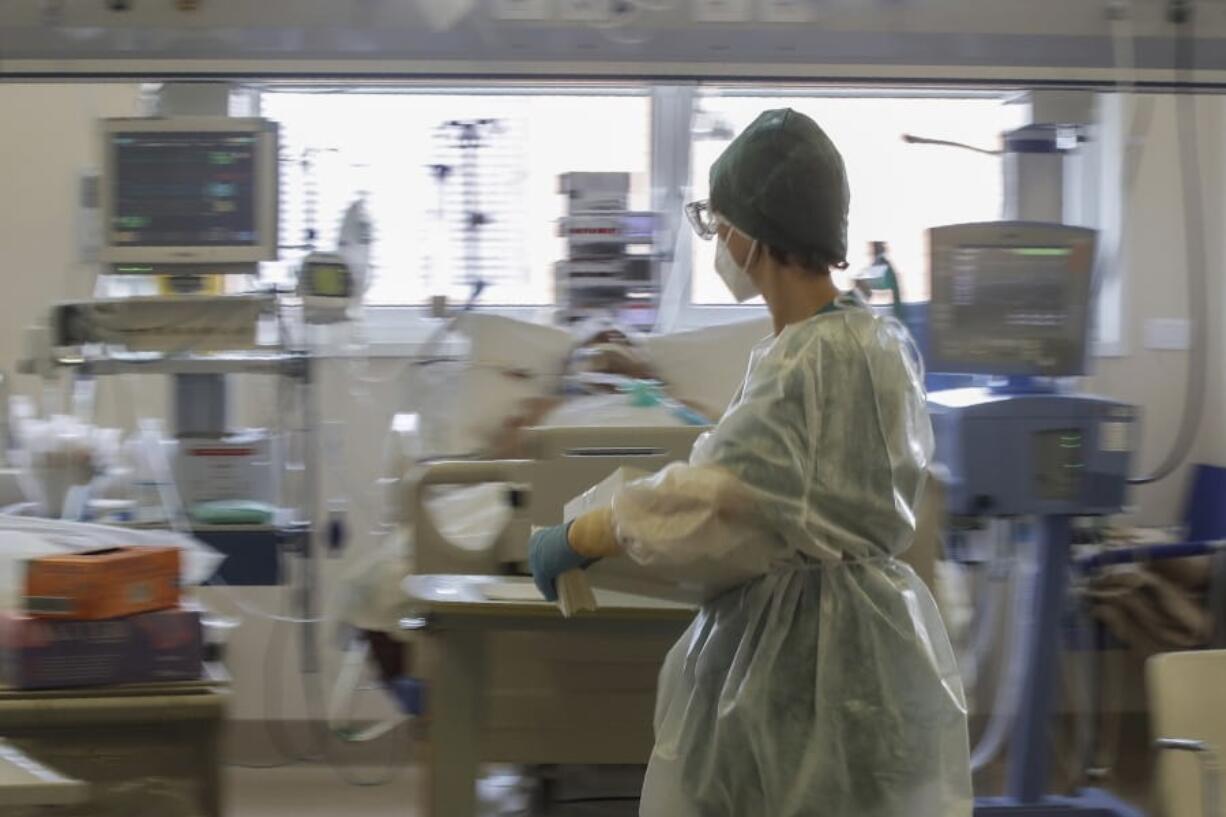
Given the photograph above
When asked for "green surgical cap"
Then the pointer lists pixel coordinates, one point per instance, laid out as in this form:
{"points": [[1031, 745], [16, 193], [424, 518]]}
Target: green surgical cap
{"points": [[782, 181]]}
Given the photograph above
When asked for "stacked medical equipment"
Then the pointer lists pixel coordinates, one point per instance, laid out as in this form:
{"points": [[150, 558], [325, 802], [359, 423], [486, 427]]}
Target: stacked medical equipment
{"points": [[190, 196], [191, 200], [1011, 304], [1011, 300], [611, 266]]}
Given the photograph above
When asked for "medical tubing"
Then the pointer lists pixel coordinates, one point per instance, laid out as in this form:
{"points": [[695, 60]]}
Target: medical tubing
{"points": [[312, 694], [312, 690], [370, 506], [1009, 685], [344, 692], [1107, 749], [434, 339], [984, 637], [987, 623], [912, 139], [676, 291], [1194, 240], [251, 609], [1085, 736], [1124, 54], [168, 491], [274, 662], [358, 362], [321, 751]]}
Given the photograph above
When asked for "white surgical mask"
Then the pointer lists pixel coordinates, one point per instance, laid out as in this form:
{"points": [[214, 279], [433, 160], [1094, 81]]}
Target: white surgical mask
{"points": [[735, 277]]}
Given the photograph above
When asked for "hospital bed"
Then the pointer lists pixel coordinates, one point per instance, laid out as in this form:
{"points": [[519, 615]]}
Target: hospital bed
{"points": [[468, 514], [564, 462], [552, 693], [492, 670], [560, 463]]}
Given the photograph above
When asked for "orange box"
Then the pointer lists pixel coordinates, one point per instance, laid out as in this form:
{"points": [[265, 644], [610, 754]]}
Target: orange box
{"points": [[101, 584]]}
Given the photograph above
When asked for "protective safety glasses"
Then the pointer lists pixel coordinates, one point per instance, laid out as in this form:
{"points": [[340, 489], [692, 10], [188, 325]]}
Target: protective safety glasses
{"points": [[703, 219]]}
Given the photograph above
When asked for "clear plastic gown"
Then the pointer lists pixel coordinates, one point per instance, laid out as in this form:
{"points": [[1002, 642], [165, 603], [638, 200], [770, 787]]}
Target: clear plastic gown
{"points": [[817, 678]]}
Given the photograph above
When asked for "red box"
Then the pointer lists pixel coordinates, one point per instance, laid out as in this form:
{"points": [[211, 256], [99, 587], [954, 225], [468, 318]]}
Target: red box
{"points": [[102, 584], [152, 647]]}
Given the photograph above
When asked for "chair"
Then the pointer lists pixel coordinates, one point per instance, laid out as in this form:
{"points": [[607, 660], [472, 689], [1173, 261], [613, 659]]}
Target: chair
{"points": [[1187, 702], [1204, 512]]}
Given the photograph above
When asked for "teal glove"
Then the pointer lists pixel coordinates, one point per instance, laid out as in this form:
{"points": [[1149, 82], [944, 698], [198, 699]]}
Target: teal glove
{"points": [[550, 555]]}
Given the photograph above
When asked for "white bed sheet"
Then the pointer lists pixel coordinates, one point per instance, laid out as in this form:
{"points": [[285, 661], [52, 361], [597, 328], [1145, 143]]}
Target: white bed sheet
{"points": [[607, 410]]}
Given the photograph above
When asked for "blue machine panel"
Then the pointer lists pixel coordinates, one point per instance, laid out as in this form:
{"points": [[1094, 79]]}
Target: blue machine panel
{"points": [[1032, 454]]}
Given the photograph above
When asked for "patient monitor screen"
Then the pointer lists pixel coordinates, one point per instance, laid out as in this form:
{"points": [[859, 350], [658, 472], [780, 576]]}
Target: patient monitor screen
{"points": [[178, 189], [1010, 307]]}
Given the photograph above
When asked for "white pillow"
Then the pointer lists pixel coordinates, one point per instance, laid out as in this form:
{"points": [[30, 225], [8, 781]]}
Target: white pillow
{"points": [[706, 366], [509, 362], [517, 345]]}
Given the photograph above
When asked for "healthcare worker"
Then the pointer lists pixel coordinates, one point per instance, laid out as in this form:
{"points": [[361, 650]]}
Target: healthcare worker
{"points": [[817, 679]]}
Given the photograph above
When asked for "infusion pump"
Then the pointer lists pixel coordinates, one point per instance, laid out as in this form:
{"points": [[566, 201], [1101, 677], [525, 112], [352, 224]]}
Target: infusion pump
{"points": [[327, 287]]}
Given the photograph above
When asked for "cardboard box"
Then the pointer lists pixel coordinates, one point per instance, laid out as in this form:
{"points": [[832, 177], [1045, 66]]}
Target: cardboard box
{"points": [[102, 584], [152, 647]]}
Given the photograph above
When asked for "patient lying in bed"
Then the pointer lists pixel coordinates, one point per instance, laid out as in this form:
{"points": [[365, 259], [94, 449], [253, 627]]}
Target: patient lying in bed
{"points": [[610, 378], [609, 381]]}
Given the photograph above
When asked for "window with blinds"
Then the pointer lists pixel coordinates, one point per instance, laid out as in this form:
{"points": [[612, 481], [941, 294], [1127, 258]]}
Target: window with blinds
{"points": [[461, 184]]}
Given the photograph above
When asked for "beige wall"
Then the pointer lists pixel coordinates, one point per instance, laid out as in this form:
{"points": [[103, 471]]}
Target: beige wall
{"points": [[46, 137], [1154, 266]]}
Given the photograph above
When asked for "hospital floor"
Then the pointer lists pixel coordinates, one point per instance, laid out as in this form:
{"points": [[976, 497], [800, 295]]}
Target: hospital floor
{"points": [[317, 791]]}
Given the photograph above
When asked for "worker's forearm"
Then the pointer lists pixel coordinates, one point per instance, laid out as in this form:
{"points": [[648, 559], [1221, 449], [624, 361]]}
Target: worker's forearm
{"points": [[594, 534]]}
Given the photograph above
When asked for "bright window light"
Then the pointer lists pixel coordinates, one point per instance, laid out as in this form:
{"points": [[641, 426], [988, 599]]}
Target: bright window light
{"points": [[898, 190], [422, 178]]}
